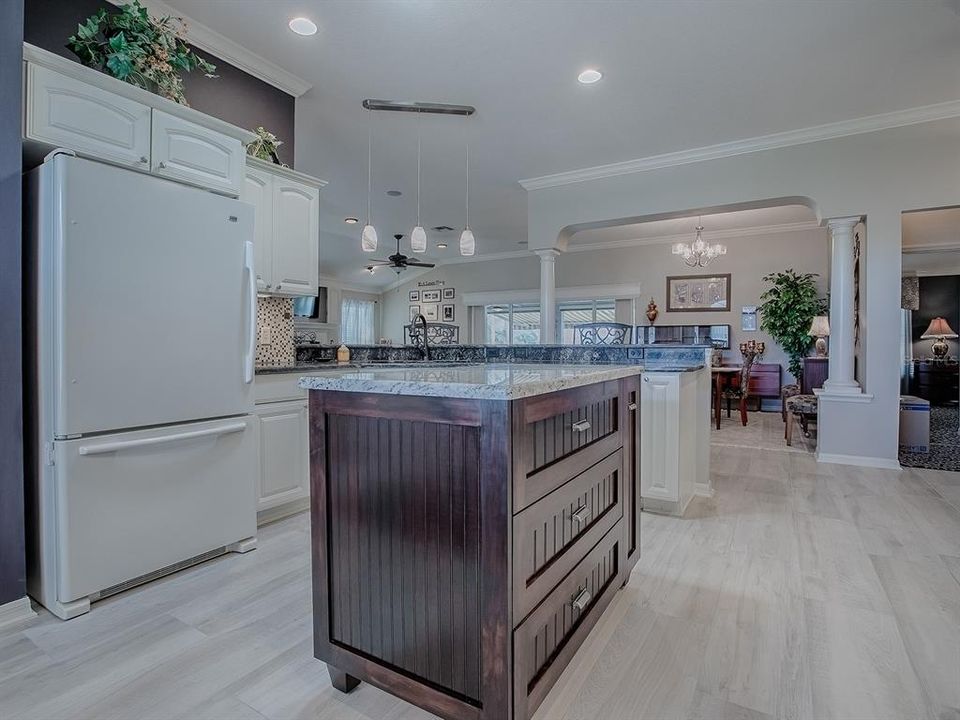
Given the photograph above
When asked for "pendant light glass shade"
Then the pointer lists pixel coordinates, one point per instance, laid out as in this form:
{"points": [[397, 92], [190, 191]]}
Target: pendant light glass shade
{"points": [[467, 244], [368, 237], [418, 238]]}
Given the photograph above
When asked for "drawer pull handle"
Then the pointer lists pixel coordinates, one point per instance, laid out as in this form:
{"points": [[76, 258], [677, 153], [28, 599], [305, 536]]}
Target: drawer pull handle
{"points": [[581, 514], [582, 426], [632, 406], [582, 600]]}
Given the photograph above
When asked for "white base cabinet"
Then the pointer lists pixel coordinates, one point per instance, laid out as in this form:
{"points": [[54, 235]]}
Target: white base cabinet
{"points": [[282, 431], [669, 438]]}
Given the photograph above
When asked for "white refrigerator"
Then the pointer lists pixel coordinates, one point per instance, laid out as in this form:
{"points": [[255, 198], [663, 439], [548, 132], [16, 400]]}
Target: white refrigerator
{"points": [[141, 344]]}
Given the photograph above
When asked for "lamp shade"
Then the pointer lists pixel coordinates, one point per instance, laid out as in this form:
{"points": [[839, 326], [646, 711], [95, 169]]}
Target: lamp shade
{"points": [[939, 328], [820, 327]]}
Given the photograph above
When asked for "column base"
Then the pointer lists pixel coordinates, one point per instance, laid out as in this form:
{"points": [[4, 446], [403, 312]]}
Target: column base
{"points": [[842, 387]]}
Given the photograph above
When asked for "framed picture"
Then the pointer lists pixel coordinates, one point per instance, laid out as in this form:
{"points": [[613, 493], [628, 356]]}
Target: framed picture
{"points": [[449, 293], [748, 318], [430, 312], [414, 311], [414, 296], [430, 296], [447, 313], [698, 293]]}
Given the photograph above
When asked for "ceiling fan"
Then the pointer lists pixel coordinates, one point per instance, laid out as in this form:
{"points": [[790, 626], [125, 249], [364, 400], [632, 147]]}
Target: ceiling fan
{"points": [[400, 262]]}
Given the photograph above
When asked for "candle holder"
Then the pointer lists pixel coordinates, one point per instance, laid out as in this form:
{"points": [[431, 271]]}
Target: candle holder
{"points": [[752, 347]]}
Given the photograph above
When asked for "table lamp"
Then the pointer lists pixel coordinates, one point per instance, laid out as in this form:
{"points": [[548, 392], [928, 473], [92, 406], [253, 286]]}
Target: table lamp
{"points": [[820, 329], [939, 329]]}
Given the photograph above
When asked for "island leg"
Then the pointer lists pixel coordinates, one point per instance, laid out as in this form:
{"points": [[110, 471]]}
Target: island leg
{"points": [[340, 680]]}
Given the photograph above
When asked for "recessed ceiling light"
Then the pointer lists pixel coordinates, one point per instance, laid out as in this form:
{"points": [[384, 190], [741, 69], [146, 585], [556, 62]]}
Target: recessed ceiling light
{"points": [[351, 221], [303, 26], [441, 245], [394, 193], [588, 77]]}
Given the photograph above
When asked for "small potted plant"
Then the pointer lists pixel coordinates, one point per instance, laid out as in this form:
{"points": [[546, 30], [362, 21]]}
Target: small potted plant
{"points": [[148, 52], [265, 146]]}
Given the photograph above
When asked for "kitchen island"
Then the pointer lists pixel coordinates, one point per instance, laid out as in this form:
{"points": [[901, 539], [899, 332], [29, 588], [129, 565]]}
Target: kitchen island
{"points": [[470, 525]]}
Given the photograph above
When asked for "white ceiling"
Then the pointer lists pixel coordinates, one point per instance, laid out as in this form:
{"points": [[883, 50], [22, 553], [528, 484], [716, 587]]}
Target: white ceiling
{"points": [[678, 75]]}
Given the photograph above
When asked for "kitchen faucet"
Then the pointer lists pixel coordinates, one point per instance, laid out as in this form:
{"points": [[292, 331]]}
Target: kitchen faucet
{"points": [[426, 347]]}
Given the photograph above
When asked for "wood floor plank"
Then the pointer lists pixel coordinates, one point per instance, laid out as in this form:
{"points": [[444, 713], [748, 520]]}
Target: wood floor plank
{"points": [[800, 590]]}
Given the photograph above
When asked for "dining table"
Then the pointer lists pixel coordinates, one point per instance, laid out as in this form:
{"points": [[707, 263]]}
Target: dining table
{"points": [[722, 377]]}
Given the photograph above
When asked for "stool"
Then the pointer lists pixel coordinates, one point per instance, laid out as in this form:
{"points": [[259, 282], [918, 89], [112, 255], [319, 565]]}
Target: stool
{"points": [[803, 406], [787, 391]]}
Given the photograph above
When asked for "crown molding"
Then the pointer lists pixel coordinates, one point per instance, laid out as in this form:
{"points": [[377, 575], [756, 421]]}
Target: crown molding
{"points": [[230, 51], [930, 248], [856, 126]]}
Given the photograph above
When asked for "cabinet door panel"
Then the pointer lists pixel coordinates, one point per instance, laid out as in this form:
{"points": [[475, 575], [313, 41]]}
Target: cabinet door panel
{"points": [[296, 239], [659, 417], [68, 113], [258, 191], [185, 151], [284, 454]]}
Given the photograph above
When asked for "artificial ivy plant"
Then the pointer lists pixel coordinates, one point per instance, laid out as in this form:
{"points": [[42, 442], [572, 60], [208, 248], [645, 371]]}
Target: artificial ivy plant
{"points": [[145, 51], [788, 306]]}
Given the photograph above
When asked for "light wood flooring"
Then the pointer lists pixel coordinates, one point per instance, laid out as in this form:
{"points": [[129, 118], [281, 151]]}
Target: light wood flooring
{"points": [[798, 591]]}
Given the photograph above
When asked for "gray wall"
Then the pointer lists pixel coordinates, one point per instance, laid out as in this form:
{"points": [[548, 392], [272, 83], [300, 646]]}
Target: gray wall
{"points": [[235, 96], [748, 260], [939, 297], [12, 570]]}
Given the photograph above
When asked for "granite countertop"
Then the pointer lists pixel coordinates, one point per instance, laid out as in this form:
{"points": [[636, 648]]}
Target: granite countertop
{"points": [[492, 381], [300, 367]]}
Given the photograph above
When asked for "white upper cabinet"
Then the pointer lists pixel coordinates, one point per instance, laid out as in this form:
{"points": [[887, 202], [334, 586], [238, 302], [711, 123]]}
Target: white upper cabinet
{"points": [[287, 233], [183, 150], [258, 191], [68, 113], [67, 105], [296, 237]]}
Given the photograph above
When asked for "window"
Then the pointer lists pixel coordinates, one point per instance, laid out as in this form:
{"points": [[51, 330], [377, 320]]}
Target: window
{"points": [[357, 321], [516, 324], [571, 314]]}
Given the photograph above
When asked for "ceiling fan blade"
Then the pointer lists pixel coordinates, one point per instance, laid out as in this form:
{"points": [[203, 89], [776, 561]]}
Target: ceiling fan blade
{"points": [[420, 264], [381, 262]]}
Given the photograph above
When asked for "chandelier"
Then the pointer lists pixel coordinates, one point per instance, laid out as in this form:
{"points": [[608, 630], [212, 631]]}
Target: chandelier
{"points": [[698, 253]]}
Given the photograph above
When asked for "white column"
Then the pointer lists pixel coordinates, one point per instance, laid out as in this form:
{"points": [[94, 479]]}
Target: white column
{"points": [[548, 295], [840, 376]]}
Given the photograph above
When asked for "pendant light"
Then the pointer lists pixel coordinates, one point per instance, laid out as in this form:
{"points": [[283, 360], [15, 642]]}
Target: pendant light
{"points": [[368, 238], [468, 245], [418, 238]]}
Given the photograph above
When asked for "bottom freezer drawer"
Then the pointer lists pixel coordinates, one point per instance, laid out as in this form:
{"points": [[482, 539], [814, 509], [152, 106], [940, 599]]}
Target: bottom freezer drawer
{"points": [[132, 503]]}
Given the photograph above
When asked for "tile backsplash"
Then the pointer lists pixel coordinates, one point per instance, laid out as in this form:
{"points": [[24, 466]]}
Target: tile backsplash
{"points": [[275, 345]]}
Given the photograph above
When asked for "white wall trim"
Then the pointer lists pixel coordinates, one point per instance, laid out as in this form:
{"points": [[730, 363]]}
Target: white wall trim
{"points": [[731, 234], [859, 460], [16, 611], [856, 126], [849, 397], [231, 51], [577, 292]]}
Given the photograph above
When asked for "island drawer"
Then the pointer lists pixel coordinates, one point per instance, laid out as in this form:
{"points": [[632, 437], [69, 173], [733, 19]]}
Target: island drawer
{"points": [[561, 434], [546, 641], [551, 536]]}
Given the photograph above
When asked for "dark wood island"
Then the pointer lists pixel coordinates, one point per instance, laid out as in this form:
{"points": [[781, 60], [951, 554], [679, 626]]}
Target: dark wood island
{"points": [[470, 525]]}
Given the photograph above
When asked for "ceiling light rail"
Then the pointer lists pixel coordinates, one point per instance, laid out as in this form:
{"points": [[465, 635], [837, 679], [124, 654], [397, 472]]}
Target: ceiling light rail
{"points": [[419, 107]]}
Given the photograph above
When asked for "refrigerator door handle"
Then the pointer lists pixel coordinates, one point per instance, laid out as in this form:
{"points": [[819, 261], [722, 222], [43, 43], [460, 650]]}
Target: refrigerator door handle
{"points": [[248, 267], [109, 447]]}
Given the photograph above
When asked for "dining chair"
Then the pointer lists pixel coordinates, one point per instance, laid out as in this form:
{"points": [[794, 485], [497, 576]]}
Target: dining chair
{"points": [[602, 333]]}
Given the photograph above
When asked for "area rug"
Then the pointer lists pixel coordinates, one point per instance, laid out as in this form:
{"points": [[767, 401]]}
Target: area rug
{"points": [[944, 443]]}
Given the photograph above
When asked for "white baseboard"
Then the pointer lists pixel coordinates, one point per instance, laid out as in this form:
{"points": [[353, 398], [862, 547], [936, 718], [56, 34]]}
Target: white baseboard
{"points": [[862, 461], [16, 611], [704, 490], [264, 517]]}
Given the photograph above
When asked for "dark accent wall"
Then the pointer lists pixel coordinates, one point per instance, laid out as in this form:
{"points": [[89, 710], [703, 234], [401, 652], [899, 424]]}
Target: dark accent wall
{"points": [[234, 96], [939, 297], [12, 560]]}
